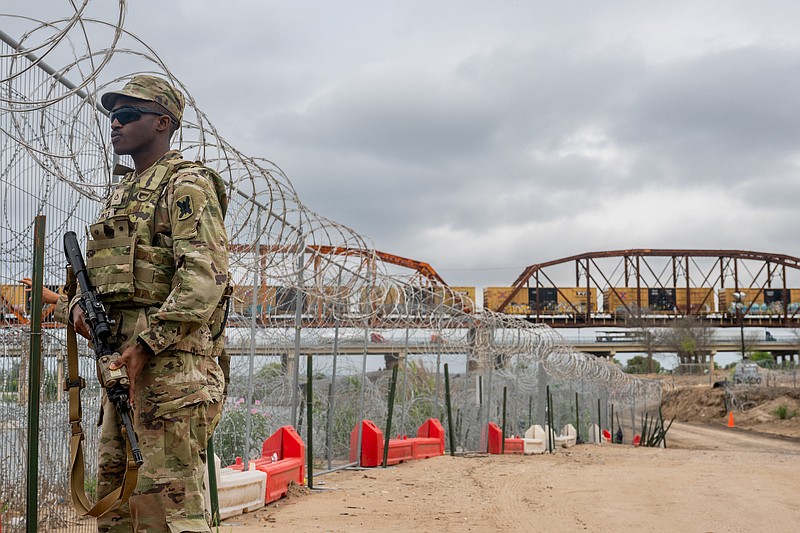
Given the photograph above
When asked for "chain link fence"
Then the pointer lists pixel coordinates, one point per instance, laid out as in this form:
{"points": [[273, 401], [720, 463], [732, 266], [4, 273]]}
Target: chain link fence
{"points": [[313, 297]]}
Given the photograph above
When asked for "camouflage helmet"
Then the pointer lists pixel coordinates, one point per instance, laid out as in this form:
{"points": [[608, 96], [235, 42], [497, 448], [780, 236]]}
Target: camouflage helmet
{"points": [[152, 89]]}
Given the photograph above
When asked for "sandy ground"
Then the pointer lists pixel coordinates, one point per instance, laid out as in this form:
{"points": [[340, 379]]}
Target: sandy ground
{"points": [[708, 479]]}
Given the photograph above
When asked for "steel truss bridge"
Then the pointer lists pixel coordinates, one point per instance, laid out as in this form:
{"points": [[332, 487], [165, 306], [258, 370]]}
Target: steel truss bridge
{"points": [[701, 284]]}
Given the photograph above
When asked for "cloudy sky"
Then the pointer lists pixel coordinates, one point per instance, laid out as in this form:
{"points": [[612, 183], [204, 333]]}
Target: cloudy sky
{"points": [[482, 137]]}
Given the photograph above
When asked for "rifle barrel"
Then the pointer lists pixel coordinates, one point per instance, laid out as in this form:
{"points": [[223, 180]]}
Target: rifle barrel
{"points": [[101, 331]]}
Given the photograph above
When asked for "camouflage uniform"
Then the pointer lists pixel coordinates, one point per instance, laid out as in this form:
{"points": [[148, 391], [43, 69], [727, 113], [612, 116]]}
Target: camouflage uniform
{"points": [[174, 211]]}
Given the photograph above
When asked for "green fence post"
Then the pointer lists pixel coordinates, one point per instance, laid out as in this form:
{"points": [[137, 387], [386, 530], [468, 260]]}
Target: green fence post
{"points": [[211, 459], [392, 388], [503, 435], [449, 410], [31, 515], [309, 421], [577, 420]]}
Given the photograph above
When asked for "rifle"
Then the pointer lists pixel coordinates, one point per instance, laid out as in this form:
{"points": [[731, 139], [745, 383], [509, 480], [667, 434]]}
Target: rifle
{"points": [[116, 381]]}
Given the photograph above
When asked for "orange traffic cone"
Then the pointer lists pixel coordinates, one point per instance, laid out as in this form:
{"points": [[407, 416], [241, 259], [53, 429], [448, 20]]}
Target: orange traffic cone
{"points": [[730, 420]]}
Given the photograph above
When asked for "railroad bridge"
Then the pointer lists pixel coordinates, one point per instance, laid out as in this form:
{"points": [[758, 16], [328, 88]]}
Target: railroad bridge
{"points": [[721, 288]]}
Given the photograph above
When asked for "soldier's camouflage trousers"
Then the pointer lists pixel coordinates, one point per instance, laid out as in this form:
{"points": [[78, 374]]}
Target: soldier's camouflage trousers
{"points": [[177, 407]]}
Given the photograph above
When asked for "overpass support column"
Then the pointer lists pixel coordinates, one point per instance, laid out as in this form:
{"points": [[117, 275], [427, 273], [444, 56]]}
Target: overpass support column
{"points": [[708, 362], [541, 395], [681, 362], [288, 363]]}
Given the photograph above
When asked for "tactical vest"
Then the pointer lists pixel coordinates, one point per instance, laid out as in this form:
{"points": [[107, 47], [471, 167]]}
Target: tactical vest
{"points": [[128, 264]]}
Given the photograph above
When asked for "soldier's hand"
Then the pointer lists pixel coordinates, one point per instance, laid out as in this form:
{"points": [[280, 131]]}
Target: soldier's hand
{"points": [[79, 320], [134, 358], [48, 296]]}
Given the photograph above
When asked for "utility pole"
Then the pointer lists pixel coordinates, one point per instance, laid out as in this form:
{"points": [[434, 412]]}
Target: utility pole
{"points": [[739, 297]]}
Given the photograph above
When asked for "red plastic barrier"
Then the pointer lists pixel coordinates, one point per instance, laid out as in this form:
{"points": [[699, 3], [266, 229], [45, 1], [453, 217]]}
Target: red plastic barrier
{"points": [[637, 440], [606, 435], [513, 445], [289, 450], [428, 443]]}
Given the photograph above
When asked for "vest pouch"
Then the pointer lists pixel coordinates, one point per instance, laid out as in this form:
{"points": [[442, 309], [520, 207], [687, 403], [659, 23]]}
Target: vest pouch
{"points": [[153, 270], [109, 263]]}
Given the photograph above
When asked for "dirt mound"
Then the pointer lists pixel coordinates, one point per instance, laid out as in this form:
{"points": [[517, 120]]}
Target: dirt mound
{"points": [[294, 490], [694, 404], [773, 410]]}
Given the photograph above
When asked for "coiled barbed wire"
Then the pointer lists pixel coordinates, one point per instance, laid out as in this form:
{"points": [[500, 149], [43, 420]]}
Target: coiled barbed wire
{"points": [[56, 133]]}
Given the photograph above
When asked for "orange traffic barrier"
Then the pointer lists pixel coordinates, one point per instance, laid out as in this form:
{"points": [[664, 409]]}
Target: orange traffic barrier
{"points": [[281, 459], [730, 420], [512, 444], [429, 442]]}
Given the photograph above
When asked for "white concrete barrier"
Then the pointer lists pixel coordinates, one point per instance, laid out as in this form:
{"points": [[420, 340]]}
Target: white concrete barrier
{"points": [[237, 491], [534, 440], [568, 437], [594, 434]]}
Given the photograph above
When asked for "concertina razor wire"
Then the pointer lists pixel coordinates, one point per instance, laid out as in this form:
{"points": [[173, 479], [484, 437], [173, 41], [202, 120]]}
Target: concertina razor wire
{"points": [[57, 158]]}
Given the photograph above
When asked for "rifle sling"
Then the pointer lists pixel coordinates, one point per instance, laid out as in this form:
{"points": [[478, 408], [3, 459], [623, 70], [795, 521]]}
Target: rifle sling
{"points": [[80, 501]]}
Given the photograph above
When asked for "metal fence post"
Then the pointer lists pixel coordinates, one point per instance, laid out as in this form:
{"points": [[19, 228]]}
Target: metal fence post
{"points": [[298, 325], [251, 367], [31, 515], [332, 391]]}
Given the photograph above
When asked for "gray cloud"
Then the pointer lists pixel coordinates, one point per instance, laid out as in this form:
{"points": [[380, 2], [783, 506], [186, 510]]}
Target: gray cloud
{"points": [[484, 139], [725, 117]]}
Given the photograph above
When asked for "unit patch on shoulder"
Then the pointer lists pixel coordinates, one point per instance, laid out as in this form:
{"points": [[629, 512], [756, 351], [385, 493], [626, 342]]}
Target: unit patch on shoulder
{"points": [[184, 205]]}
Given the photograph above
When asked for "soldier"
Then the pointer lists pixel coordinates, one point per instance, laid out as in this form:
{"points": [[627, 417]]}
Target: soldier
{"points": [[158, 258]]}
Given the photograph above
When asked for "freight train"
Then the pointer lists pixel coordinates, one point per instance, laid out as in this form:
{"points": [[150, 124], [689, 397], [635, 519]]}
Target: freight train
{"points": [[615, 301], [528, 301]]}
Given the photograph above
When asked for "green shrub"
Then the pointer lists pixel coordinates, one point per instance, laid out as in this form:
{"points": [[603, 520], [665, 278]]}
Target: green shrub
{"points": [[763, 359], [230, 433], [639, 364], [783, 413]]}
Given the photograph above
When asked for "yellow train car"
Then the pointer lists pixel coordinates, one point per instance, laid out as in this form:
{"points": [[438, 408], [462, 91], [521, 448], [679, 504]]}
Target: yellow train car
{"points": [[695, 301], [389, 300], [562, 300], [659, 300], [768, 301], [494, 296], [618, 300], [242, 300], [12, 295], [12, 303], [325, 302], [460, 298], [543, 300], [396, 299], [15, 303]]}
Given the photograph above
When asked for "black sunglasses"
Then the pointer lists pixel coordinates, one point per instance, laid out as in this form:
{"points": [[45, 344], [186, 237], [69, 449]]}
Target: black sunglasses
{"points": [[128, 114]]}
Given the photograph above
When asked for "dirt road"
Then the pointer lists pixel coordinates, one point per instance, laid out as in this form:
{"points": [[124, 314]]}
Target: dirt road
{"points": [[708, 479], [695, 437]]}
